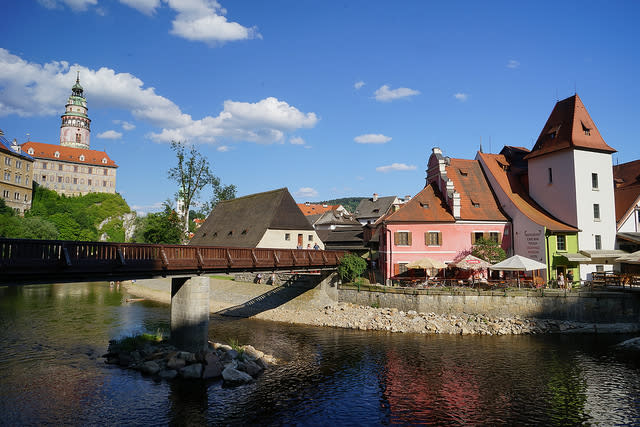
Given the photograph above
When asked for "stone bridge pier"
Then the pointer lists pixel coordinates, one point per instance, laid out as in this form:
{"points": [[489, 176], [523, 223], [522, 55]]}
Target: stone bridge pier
{"points": [[190, 312]]}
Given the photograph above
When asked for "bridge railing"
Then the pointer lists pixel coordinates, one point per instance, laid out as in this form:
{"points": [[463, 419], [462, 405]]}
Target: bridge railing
{"points": [[23, 257]]}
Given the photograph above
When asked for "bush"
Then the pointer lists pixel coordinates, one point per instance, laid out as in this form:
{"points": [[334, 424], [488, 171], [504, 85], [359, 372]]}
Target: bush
{"points": [[351, 266]]}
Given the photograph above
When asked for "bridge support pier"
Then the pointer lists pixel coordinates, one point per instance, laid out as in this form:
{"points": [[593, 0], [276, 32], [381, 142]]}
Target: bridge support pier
{"points": [[190, 313]]}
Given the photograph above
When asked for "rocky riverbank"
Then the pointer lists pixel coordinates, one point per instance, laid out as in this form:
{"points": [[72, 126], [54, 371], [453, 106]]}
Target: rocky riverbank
{"points": [[346, 315], [162, 361]]}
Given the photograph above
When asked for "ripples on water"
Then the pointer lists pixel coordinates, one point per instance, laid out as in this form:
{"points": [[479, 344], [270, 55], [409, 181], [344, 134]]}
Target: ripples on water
{"points": [[51, 372]]}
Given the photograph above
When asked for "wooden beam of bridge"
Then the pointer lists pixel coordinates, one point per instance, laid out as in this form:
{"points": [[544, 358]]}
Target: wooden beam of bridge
{"points": [[50, 261]]}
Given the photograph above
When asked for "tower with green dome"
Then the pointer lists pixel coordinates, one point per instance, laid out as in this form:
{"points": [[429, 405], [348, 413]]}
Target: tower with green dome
{"points": [[75, 129]]}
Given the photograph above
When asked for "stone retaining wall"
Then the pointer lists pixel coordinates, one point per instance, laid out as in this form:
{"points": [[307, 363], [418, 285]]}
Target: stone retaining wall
{"points": [[591, 307]]}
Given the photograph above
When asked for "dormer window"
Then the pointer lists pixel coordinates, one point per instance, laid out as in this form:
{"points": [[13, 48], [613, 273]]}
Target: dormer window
{"points": [[586, 130], [82, 157], [463, 172], [475, 204], [30, 151], [425, 205], [104, 160], [56, 154]]}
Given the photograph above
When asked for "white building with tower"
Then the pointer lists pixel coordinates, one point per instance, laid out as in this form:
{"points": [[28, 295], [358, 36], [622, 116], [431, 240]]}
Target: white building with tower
{"points": [[72, 168]]}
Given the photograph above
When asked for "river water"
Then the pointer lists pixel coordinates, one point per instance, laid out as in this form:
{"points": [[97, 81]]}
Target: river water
{"points": [[51, 372]]}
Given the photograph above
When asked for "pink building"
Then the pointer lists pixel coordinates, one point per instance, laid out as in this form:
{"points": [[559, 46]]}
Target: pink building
{"points": [[443, 221]]}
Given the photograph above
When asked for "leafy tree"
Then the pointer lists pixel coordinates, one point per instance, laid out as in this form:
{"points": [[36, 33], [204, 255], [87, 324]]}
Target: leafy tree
{"points": [[192, 175], [221, 192], [38, 228], [6, 210], [351, 266], [488, 250], [161, 228]]}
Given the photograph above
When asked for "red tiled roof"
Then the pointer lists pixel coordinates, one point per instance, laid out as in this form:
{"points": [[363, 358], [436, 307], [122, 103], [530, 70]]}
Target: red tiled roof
{"points": [[68, 154], [477, 202], [511, 185], [627, 188], [426, 206], [567, 127], [314, 209]]}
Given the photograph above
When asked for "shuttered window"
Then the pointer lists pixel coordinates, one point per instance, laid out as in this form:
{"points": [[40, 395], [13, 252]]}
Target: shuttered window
{"points": [[402, 238], [489, 235], [433, 238]]}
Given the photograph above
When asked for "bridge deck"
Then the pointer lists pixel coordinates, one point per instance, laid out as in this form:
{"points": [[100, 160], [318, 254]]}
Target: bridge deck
{"points": [[31, 261]]}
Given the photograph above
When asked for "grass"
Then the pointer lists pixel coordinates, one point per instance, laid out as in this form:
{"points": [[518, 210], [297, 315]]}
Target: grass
{"points": [[235, 345], [135, 342], [222, 277]]}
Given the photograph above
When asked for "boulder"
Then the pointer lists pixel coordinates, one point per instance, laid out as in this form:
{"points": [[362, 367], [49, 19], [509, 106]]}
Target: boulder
{"points": [[187, 357], [168, 374], [150, 367], [250, 367], [213, 367], [234, 376], [250, 353], [191, 371], [229, 355], [176, 363]]}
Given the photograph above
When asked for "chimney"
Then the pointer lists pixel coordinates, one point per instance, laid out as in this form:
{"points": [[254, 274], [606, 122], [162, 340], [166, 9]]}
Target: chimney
{"points": [[407, 197], [306, 203], [375, 197]]}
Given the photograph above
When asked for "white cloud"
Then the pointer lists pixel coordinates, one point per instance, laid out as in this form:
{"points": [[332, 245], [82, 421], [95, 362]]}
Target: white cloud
{"points": [[513, 63], [29, 89], [395, 167], [223, 148], [372, 138], [385, 94], [358, 85], [76, 5], [204, 20], [306, 192], [110, 134], [462, 97], [125, 125], [296, 140], [148, 7]]}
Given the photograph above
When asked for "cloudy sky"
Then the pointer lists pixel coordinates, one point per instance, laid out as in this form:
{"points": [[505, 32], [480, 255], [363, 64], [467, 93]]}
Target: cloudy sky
{"points": [[330, 99]]}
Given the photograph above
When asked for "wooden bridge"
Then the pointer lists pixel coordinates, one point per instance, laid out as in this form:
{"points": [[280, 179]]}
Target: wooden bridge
{"points": [[49, 261]]}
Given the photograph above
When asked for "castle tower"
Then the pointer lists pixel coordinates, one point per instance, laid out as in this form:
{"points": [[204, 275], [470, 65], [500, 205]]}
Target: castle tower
{"points": [[75, 129]]}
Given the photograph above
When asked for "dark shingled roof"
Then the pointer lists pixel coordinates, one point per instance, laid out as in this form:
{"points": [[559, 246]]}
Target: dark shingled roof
{"points": [[345, 238], [243, 221], [569, 126], [374, 209]]}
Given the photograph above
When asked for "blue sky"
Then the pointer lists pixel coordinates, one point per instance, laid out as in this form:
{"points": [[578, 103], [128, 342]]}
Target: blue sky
{"points": [[330, 99]]}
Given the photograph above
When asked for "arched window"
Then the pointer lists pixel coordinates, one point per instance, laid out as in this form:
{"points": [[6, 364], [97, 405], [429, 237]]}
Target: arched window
{"points": [[82, 157], [30, 151], [56, 154]]}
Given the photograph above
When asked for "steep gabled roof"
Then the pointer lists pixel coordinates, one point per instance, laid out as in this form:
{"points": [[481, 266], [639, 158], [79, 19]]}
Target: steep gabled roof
{"points": [[243, 221], [426, 206], [369, 208], [68, 154], [498, 166], [477, 202], [627, 188], [334, 218], [569, 126]]}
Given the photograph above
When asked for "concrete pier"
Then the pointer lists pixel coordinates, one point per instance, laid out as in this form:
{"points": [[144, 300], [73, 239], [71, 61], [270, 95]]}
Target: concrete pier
{"points": [[190, 312]]}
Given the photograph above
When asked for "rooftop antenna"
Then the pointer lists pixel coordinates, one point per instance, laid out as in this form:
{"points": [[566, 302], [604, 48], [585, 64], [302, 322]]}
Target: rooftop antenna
{"points": [[28, 137], [575, 88], [481, 143]]}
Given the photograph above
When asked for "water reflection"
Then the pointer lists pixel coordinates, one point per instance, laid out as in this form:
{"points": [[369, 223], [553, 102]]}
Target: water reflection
{"points": [[51, 339]]}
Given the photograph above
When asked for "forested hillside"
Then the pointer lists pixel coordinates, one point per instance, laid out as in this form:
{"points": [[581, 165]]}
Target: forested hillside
{"points": [[349, 203], [53, 216]]}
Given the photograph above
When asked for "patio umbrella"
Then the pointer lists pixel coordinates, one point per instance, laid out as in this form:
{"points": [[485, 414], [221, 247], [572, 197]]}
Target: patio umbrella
{"points": [[471, 262], [518, 263], [426, 263], [632, 258]]}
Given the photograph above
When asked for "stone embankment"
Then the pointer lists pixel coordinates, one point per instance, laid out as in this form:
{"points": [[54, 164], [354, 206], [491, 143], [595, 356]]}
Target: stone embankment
{"points": [[162, 361], [347, 315]]}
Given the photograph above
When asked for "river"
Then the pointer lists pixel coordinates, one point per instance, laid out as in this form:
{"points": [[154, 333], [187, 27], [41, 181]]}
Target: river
{"points": [[51, 372]]}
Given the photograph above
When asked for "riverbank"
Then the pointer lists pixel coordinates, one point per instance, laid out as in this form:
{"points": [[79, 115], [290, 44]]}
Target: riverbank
{"points": [[313, 308]]}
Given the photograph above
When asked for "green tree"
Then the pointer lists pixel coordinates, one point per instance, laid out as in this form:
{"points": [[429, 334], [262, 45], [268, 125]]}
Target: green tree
{"points": [[192, 174], [488, 250], [351, 266], [161, 228]]}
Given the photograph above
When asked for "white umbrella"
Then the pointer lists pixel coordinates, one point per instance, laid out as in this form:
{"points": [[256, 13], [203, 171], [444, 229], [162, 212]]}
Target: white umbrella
{"points": [[426, 263], [518, 263], [632, 258], [471, 262]]}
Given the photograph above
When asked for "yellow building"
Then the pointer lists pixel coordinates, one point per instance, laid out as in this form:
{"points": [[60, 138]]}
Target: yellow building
{"points": [[17, 169]]}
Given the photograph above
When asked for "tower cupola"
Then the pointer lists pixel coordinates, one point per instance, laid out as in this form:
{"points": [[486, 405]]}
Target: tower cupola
{"points": [[75, 128]]}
